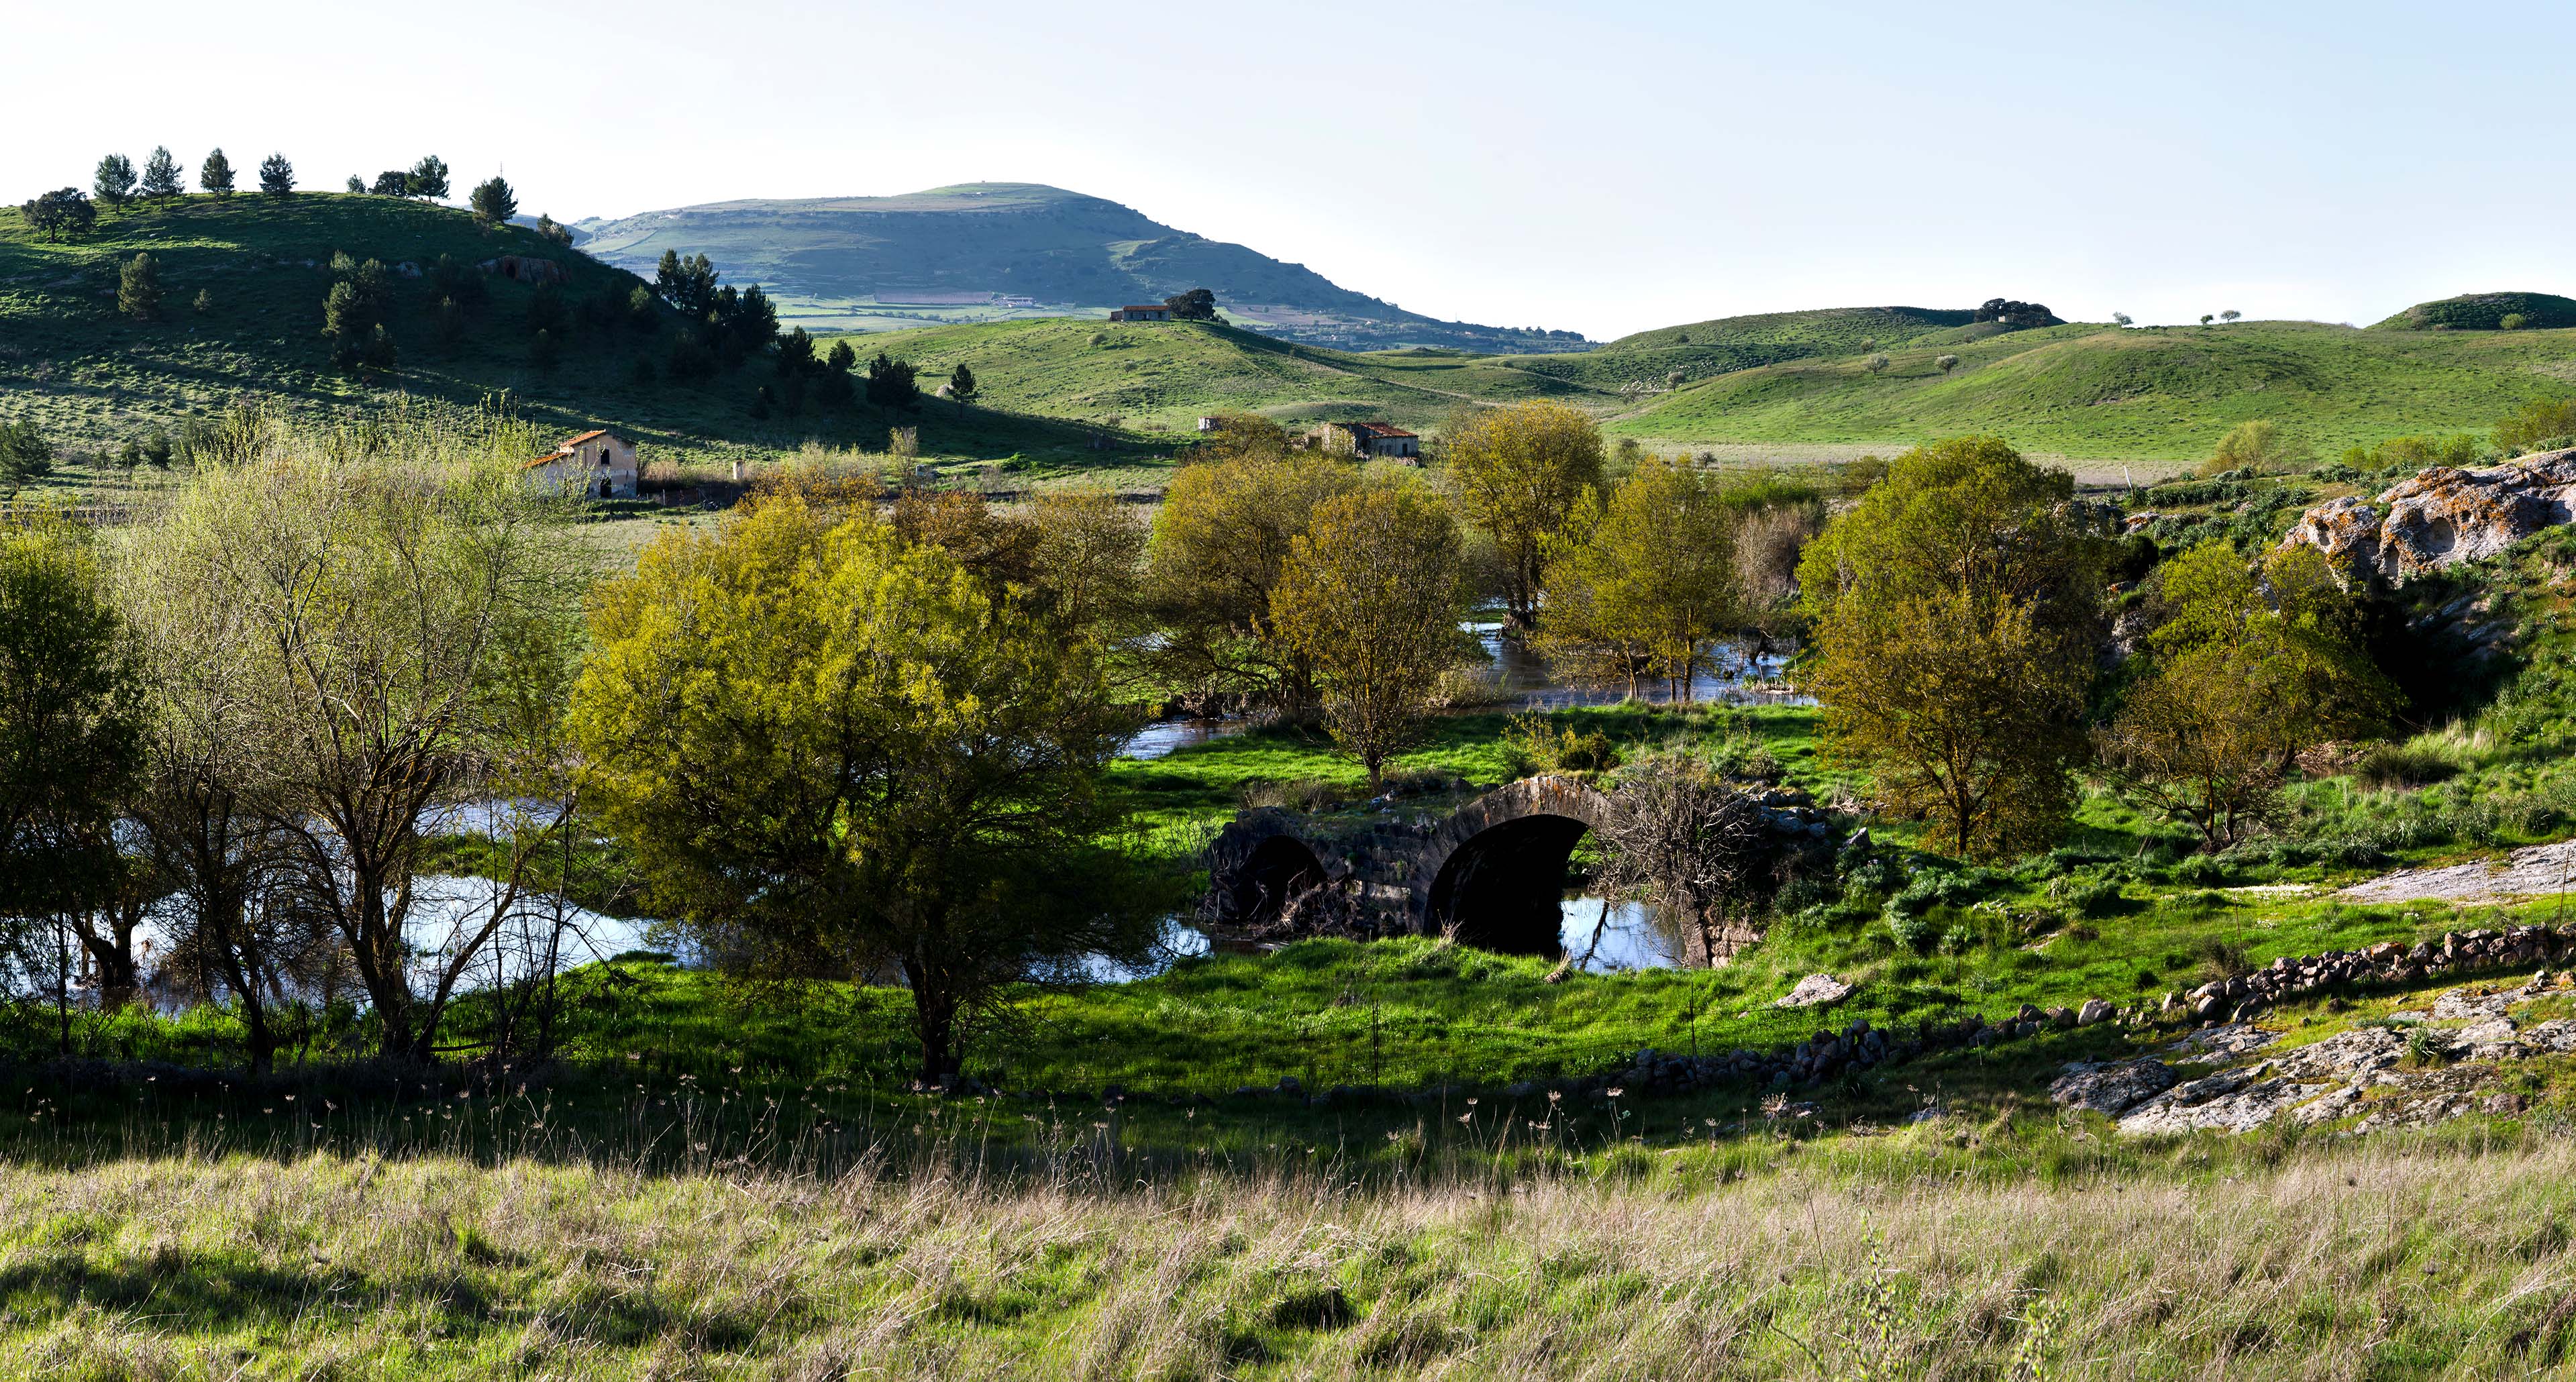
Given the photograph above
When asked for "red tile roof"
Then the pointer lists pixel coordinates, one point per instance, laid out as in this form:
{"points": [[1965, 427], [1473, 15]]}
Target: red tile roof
{"points": [[585, 436]]}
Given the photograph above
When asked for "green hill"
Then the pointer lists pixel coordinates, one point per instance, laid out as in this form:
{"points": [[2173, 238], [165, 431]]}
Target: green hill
{"points": [[92, 378], [1700, 350], [946, 253], [2485, 312], [1164, 375], [2162, 392]]}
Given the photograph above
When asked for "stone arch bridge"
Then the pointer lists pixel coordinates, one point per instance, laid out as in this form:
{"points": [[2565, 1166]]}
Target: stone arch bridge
{"points": [[1492, 872]]}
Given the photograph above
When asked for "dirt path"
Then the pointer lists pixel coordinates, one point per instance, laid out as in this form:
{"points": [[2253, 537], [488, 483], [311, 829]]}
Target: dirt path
{"points": [[2533, 871]]}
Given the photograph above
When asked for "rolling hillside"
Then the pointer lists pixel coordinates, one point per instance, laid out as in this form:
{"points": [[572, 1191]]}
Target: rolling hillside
{"points": [[946, 253], [1160, 376], [92, 378], [1700, 350], [2152, 393]]}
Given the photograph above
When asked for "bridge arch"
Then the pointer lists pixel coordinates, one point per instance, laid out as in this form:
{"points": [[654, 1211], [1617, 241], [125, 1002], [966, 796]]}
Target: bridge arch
{"points": [[1261, 862], [1495, 871]]}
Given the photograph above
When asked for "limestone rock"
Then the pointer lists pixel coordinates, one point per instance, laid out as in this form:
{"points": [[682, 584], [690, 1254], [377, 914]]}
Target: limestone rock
{"points": [[2443, 516], [2111, 1087], [2094, 1010], [1814, 991]]}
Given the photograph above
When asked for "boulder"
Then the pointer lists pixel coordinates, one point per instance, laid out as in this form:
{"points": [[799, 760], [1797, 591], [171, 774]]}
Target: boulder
{"points": [[2094, 1010], [2111, 1087], [2443, 516], [1814, 991]]}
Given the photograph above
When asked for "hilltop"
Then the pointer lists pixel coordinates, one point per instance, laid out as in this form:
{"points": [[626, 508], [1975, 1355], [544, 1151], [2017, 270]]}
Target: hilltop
{"points": [[1701, 350], [2485, 312], [947, 253], [93, 379]]}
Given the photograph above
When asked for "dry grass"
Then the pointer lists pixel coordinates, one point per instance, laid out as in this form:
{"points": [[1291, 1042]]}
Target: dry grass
{"points": [[2365, 1260]]}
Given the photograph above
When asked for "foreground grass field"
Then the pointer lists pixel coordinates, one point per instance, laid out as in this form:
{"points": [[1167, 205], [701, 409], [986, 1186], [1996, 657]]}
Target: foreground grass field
{"points": [[2010, 1249]]}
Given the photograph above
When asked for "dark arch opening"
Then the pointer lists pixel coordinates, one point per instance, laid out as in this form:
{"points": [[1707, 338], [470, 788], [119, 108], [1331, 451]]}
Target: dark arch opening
{"points": [[1278, 869], [1502, 889]]}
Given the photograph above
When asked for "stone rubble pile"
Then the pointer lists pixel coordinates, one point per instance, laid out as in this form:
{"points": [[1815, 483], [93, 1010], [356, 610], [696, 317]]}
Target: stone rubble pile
{"points": [[2388, 962]]}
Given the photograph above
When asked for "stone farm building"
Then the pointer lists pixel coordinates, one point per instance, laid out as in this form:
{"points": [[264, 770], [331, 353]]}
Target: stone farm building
{"points": [[596, 465], [1373, 439], [1143, 312]]}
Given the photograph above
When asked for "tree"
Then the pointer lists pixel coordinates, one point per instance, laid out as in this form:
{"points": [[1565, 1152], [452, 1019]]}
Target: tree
{"points": [[493, 201], [2255, 446], [60, 213], [688, 284], [1224, 532], [1370, 595], [1646, 581], [892, 384], [831, 752], [447, 327], [25, 456], [551, 232], [642, 312], [216, 175], [202, 303], [161, 175], [1875, 363], [1196, 305], [2536, 423], [276, 175], [114, 180], [2512, 321], [1517, 471], [1089, 552], [357, 186], [427, 178], [961, 385], [2250, 667], [543, 354], [392, 182], [408, 633], [138, 288], [70, 722], [2230, 314], [2204, 319], [1956, 610], [2120, 319], [1945, 364]]}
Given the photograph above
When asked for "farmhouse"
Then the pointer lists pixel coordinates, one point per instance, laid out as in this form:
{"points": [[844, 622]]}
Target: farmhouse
{"points": [[595, 465], [1145, 312], [1374, 439]]}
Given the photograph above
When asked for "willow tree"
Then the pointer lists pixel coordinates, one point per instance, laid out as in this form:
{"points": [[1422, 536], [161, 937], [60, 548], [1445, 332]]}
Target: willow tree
{"points": [[1370, 593], [70, 722], [1956, 611], [1644, 581], [834, 753], [408, 629], [1517, 473], [2252, 665]]}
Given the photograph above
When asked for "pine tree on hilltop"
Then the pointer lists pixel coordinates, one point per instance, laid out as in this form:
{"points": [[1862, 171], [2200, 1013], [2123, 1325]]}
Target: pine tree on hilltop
{"points": [[276, 175], [114, 181], [357, 185], [428, 178], [161, 175], [493, 201], [216, 175]]}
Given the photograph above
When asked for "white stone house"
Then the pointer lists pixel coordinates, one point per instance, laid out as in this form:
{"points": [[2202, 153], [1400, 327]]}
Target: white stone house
{"points": [[594, 465]]}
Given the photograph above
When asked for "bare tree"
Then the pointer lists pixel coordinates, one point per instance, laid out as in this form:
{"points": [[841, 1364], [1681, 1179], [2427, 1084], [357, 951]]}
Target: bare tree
{"points": [[1685, 838]]}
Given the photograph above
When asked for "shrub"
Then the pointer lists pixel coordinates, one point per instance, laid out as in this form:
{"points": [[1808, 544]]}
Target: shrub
{"points": [[1296, 794], [2202, 871], [2087, 895], [2538, 421], [1533, 745], [2384, 766], [1915, 933]]}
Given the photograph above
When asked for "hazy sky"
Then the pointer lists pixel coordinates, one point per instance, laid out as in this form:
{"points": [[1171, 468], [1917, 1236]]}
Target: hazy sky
{"points": [[1508, 164]]}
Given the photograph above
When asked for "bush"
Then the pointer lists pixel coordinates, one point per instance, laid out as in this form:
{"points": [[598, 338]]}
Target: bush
{"points": [[2385, 766], [2534, 423], [1533, 745], [1915, 933], [2202, 871], [2087, 895]]}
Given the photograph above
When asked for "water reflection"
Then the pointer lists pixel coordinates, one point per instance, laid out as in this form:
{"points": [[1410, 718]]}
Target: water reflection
{"points": [[1628, 935]]}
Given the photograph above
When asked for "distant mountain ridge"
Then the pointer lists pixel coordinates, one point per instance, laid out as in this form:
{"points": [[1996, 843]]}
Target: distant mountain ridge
{"points": [[968, 245]]}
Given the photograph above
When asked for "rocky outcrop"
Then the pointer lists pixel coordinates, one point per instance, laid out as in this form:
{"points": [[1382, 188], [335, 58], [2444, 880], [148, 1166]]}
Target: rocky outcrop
{"points": [[1814, 991], [2443, 516]]}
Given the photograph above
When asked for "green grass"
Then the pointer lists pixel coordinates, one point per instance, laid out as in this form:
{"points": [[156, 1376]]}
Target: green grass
{"points": [[92, 379], [2162, 392], [1161, 376]]}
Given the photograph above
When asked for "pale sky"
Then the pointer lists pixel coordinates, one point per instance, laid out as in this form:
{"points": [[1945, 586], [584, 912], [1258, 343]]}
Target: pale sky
{"points": [[1518, 165]]}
